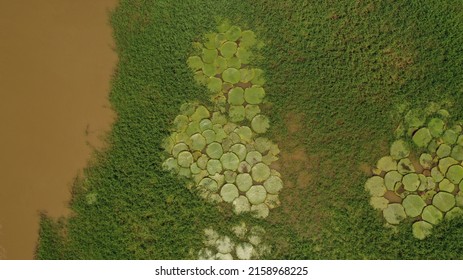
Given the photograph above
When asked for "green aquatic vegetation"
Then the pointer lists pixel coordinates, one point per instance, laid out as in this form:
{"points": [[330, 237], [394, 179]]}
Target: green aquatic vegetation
{"points": [[428, 185]]}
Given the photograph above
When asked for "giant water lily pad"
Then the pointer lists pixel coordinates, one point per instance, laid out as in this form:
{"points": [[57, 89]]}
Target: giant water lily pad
{"points": [[243, 182], [386, 164], [394, 213], [443, 151], [444, 201], [185, 159], [445, 163], [209, 135], [239, 150], [375, 185], [432, 215], [181, 123], [244, 167], [214, 84], [254, 95], [260, 210], [236, 113], [251, 111], [455, 173], [214, 166], [244, 55], [200, 113], [456, 212], [241, 205], [379, 203], [209, 184], [214, 150], [209, 70], [246, 75], [231, 75], [260, 124], [446, 186], [426, 160], [198, 142], [179, 148], [170, 164], [236, 96], [245, 133], [259, 78], [248, 39], [195, 62], [209, 55], [260, 172], [230, 161], [233, 34], [234, 62], [422, 137], [405, 166], [229, 176], [228, 49], [457, 152], [436, 127], [436, 175], [273, 184], [411, 182], [450, 136], [399, 149], [229, 192], [421, 229], [256, 194], [413, 205], [391, 179], [415, 118], [220, 64], [253, 157]]}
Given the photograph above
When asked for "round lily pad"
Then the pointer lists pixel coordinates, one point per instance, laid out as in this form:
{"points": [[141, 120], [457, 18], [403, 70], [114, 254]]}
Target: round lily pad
{"points": [[450, 136], [214, 150], [432, 215], [251, 111], [433, 145], [436, 127], [405, 166], [244, 167], [444, 201], [379, 203], [399, 149], [209, 136], [422, 137], [375, 185], [234, 62], [236, 96], [214, 84], [273, 184], [185, 159], [230, 161], [246, 75], [219, 178], [244, 55], [394, 213], [205, 124], [195, 62], [260, 210], [446, 186], [272, 201], [248, 38], [200, 113], [239, 150], [229, 176], [256, 194], [245, 133], [193, 127], [220, 64], [423, 182], [457, 152], [184, 171], [228, 49], [415, 118], [198, 142], [179, 148], [209, 184], [459, 197], [455, 173], [436, 175], [260, 172], [231, 75], [413, 205], [209, 70], [260, 124], [421, 229], [456, 212], [411, 182], [241, 205], [181, 123], [243, 182], [391, 179], [233, 34], [426, 160], [170, 164], [258, 79], [209, 55], [445, 163], [443, 150], [236, 113], [229, 192], [244, 251], [386, 164], [253, 157], [254, 95], [214, 166], [194, 168]]}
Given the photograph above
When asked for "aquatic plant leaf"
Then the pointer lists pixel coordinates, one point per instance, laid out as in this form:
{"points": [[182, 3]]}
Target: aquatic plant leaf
{"points": [[179, 148], [214, 84], [220, 64], [394, 213], [233, 34], [229, 176], [426, 160], [260, 124], [260, 210], [375, 186], [379, 203], [411, 182], [244, 251], [258, 79], [170, 164], [436, 175], [446, 186], [386, 164], [254, 95], [273, 184], [256, 194], [422, 137], [443, 201], [443, 150], [236, 96], [241, 205], [239, 150], [413, 205], [214, 166], [214, 150], [251, 111], [399, 149], [236, 113], [234, 62], [450, 136], [457, 153], [194, 168], [405, 166], [195, 62], [209, 55], [248, 39], [391, 179], [244, 55], [229, 192], [228, 49], [198, 142], [421, 229], [200, 113], [455, 173], [181, 123], [272, 201], [245, 134], [230, 161], [253, 157], [445, 163], [436, 127], [432, 215], [246, 75], [209, 184], [243, 182], [231, 75], [455, 212], [260, 172], [244, 167]]}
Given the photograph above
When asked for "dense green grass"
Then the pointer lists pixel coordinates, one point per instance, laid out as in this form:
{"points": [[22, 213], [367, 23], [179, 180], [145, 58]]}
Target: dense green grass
{"points": [[341, 67]]}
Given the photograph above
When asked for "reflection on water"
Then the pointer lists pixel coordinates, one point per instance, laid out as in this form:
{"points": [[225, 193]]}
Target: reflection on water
{"points": [[55, 65]]}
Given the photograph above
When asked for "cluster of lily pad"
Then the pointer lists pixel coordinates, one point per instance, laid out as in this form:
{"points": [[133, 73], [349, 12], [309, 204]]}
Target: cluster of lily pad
{"points": [[425, 186], [245, 244], [221, 148]]}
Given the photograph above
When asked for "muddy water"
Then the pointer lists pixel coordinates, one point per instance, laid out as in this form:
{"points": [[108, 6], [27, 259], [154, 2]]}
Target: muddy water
{"points": [[56, 61]]}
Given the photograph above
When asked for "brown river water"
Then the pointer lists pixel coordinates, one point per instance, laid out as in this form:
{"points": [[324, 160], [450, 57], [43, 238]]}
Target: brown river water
{"points": [[56, 61]]}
